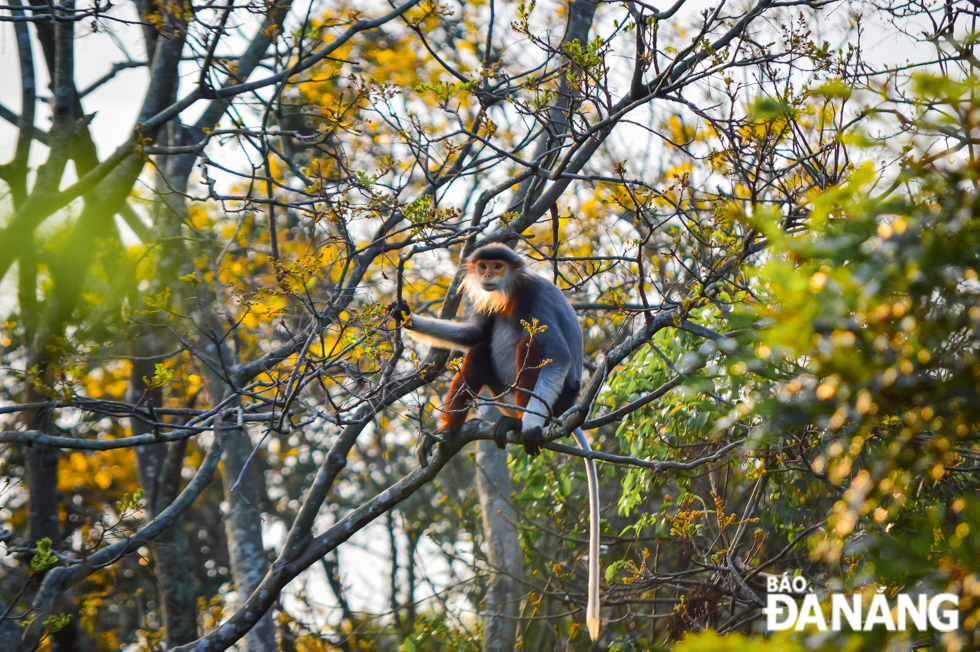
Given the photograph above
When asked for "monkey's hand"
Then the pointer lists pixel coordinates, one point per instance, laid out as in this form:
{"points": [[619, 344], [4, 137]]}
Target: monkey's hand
{"points": [[532, 438], [428, 442], [399, 311]]}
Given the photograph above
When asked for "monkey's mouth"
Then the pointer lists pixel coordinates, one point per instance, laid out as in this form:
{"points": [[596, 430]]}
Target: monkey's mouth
{"points": [[489, 286]]}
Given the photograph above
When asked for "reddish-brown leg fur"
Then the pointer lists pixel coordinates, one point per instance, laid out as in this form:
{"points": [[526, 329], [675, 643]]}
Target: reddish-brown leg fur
{"points": [[528, 366], [469, 380]]}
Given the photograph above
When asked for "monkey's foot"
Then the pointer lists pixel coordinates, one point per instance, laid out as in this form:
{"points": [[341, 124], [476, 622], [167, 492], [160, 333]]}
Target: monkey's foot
{"points": [[504, 425], [533, 439], [429, 440]]}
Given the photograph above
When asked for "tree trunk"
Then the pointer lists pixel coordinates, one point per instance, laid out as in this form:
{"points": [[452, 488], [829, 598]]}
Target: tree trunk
{"points": [[42, 479], [10, 631], [581, 14], [155, 467], [243, 525], [505, 591], [243, 520]]}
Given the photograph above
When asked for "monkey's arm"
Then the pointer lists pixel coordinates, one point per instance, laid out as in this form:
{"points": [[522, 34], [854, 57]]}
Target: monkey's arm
{"points": [[445, 333]]}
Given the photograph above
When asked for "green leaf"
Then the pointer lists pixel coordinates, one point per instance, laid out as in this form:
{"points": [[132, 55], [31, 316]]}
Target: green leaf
{"points": [[43, 557], [767, 108]]}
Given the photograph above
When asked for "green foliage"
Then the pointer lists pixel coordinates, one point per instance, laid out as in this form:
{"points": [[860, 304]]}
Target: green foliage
{"points": [[766, 108], [131, 503], [43, 557], [53, 623], [589, 57], [710, 641], [834, 88], [854, 376], [445, 91], [682, 417], [161, 376], [877, 308]]}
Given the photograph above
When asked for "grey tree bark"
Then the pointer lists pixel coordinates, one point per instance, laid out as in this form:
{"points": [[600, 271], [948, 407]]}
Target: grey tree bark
{"points": [[243, 524], [158, 468], [505, 590], [244, 487], [10, 631], [581, 14], [243, 520]]}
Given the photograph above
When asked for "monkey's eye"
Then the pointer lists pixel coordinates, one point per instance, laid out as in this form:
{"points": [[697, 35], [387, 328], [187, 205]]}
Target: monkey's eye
{"points": [[498, 266]]}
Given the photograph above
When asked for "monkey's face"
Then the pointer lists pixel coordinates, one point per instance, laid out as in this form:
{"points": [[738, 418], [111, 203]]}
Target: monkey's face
{"points": [[492, 274]]}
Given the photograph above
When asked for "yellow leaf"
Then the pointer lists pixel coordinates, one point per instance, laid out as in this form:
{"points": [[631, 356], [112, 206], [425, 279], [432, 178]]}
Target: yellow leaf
{"points": [[103, 479]]}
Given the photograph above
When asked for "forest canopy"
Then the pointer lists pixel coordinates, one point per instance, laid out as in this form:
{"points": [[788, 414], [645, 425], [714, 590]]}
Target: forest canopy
{"points": [[764, 214]]}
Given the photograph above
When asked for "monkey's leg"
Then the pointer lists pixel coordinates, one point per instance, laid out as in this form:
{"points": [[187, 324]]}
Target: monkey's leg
{"points": [[467, 383], [528, 367]]}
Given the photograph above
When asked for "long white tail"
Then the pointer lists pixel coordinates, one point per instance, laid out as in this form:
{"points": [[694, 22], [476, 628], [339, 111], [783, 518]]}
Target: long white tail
{"points": [[592, 610]]}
